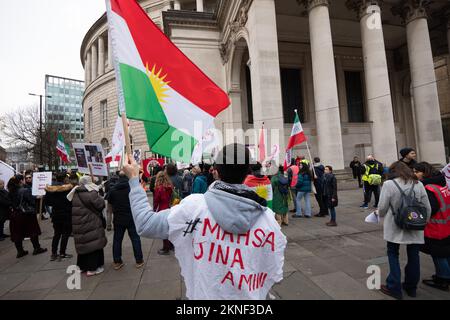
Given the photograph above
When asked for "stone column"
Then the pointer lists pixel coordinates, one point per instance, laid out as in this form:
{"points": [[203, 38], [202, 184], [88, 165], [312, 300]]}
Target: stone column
{"points": [[265, 71], [200, 5], [101, 55], [87, 66], [328, 120], [110, 61], [428, 117], [177, 5], [94, 63], [379, 100]]}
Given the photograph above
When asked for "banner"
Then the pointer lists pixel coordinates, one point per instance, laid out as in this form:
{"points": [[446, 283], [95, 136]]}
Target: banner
{"points": [[90, 153], [6, 172], [40, 181], [150, 163], [446, 172]]}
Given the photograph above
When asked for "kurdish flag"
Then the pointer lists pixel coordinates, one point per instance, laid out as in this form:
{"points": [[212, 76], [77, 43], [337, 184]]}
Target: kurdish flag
{"points": [[62, 149], [158, 84], [262, 187]]}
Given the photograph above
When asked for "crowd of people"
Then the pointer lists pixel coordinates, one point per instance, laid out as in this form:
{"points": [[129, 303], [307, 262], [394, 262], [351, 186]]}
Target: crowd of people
{"points": [[86, 209]]}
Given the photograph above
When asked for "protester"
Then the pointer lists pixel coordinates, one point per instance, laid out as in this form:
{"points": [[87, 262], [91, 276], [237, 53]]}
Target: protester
{"points": [[401, 181], [200, 184], [109, 211], [23, 221], [357, 167], [207, 171], [177, 183], [292, 172], [188, 181], [409, 156], [280, 187], [304, 190], [319, 171], [123, 221], [260, 184], [237, 211], [88, 226], [5, 207], [330, 196], [162, 201], [156, 170], [437, 231], [56, 197], [372, 173]]}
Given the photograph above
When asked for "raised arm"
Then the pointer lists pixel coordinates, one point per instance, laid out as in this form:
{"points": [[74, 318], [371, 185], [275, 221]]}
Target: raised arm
{"points": [[148, 223]]}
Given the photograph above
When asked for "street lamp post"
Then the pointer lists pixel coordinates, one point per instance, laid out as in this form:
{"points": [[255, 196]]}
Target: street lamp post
{"points": [[40, 124]]}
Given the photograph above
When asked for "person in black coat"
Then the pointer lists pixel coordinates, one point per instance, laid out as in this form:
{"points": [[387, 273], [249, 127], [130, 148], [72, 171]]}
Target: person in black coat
{"points": [[23, 219], [330, 195], [123, 221], [5, 207], [356, 166], [409, 156], [56, 197], [319, 172]]}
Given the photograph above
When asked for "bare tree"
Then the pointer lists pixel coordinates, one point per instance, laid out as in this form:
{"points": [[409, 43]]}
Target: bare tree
{"points": [[21, 128]]}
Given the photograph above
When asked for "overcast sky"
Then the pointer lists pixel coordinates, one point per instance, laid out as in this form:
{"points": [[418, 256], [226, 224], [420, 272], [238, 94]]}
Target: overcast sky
{"points": [[40, 37]]}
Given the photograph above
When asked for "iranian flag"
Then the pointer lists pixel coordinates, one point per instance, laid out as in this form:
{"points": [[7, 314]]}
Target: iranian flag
{"points": [[118, 142], [159, 85], [297, 137], [62, 149]]}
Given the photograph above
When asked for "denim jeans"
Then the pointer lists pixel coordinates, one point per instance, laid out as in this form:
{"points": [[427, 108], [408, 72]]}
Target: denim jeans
{"points": [[119, 232], [298, 201], [442, 266], [412, 269], [333, 214]]}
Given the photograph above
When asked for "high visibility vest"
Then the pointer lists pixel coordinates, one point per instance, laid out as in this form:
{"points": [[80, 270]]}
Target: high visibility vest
{"points": [[365, 177], [295, 170], [439, 225]]}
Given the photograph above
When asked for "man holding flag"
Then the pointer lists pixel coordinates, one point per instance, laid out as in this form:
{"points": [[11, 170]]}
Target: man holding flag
{"points": [[159, 85]]}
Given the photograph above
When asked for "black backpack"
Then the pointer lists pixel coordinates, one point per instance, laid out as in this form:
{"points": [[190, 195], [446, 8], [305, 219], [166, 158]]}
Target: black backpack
{"points": [[412, 215], [283, 184]]}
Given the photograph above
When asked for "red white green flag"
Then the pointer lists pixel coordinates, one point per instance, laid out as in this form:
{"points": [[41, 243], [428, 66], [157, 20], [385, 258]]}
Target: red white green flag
{"points": [[62, 149], [158, 84], [297, 137]]}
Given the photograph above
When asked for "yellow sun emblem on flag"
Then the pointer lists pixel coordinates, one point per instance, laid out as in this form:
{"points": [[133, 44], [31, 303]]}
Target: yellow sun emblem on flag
{"points": [[261, 191], [159, 85]]}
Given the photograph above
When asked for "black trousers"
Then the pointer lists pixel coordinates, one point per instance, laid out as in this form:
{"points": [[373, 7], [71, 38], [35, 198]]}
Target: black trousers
{"points": [[34, 241], [368, 190], [62, 232], [320, 199]]}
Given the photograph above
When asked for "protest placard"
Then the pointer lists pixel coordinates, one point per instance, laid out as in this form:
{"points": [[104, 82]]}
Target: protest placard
{"points": [[40, 181], [90, 154]]}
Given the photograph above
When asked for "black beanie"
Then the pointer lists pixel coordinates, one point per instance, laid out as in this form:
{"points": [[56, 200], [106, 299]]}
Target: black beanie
{"points": [[405, 151]]}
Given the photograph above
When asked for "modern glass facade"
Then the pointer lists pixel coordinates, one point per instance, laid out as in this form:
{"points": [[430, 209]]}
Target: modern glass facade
{"points": [[64, 108]]}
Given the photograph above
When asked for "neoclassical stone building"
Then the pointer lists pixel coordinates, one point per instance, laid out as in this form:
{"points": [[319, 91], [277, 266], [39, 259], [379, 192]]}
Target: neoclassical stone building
{"points": [[365, 75]]}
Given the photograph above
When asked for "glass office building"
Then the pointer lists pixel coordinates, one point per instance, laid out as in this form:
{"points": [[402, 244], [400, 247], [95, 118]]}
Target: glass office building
{"points": [[64, 108]]}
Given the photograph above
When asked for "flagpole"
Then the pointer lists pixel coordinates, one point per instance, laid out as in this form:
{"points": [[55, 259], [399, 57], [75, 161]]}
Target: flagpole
{"points": [[127, 135]]}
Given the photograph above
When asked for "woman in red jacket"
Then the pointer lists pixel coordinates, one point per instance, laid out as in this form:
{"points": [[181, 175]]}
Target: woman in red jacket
{"points": [[162, 198]]}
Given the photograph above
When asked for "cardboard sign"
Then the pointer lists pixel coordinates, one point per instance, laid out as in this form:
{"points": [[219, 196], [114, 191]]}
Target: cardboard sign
{"points": [[40, 181], [90, 153]]}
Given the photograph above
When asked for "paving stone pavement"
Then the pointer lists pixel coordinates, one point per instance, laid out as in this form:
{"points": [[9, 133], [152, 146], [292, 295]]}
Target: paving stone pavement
{"points": [[320, 263]]}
